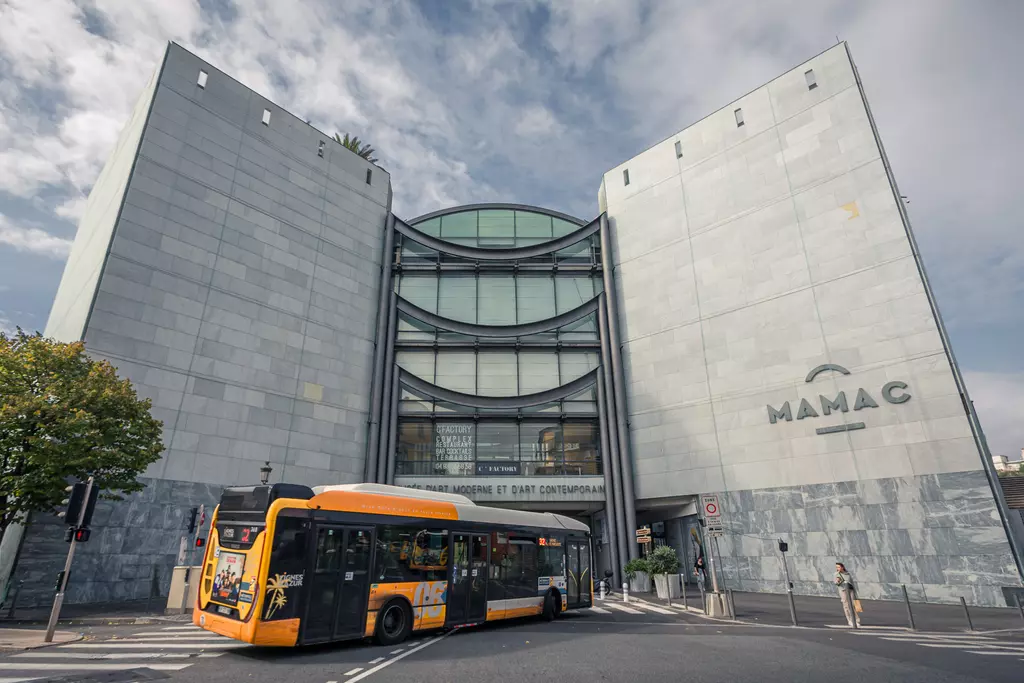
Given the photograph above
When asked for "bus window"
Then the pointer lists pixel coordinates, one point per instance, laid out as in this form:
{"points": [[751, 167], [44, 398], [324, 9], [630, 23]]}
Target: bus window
{"points": [[287, 568], [410, 554]]}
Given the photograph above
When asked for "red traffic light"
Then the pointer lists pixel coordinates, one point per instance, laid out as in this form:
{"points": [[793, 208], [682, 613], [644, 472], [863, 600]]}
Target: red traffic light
{"points": [[82, 535], [200, 542]]}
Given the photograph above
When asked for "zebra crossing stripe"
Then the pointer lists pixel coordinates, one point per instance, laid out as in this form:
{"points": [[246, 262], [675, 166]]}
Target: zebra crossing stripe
{"points": [[82, 666], [122, 645], [623, 608], [599, 610], [654, 608]]}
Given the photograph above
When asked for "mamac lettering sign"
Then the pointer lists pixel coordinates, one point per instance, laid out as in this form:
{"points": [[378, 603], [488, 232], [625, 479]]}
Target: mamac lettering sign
{"points": [[895, 392], [512, 489]]}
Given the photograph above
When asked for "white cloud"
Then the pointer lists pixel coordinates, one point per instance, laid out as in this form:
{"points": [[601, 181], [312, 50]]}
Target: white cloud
{"points": [[538, 121], [34, 240], [71, 209], [6, 326], [999, 400]]}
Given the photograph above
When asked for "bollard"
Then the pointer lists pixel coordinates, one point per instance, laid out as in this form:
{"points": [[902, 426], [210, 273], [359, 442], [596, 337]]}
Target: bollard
{"points": [[668, 590], [731, 599], [682, 585], [625, 592], [967, 614], [910, 613], [603, 590], [1020, 605], [703, 597]]}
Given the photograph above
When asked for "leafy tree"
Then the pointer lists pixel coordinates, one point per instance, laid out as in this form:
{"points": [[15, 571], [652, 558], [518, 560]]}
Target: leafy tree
{"points": [[356, 145], [1008, 474], [663, 560], [66, 416]]}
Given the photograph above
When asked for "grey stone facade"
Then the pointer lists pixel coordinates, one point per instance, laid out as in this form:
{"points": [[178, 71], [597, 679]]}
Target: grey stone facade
{"points": [[229, 268], [777, 245], [939, 535], [130, 556]]}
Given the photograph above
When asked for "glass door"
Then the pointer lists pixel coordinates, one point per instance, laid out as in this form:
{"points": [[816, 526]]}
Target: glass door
{"points": [[578, 589], [467, 595], [338, 590], [355, 581]]}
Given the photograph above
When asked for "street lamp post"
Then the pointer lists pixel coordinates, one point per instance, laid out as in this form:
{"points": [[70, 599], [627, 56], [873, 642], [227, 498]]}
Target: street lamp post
{"points": [[265, 472]]}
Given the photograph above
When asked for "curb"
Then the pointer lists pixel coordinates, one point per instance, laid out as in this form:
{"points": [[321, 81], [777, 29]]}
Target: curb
{"points": [[39, 646], [101, 621]]}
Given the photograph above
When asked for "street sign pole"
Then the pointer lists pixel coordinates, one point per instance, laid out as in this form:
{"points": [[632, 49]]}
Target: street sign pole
{"points": [[62, 585], [193, 517]]}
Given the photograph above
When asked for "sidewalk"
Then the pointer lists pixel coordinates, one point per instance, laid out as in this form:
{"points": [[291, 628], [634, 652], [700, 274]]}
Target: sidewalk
{"points": [[138, 611], [14, 639], [769, 608]]}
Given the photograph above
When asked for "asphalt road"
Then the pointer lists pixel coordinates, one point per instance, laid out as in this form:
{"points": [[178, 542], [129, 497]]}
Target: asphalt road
{"points": [[580, 647]]}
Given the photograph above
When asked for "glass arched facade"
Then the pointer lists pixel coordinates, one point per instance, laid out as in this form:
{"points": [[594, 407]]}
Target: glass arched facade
{"points": [[510, 344]]}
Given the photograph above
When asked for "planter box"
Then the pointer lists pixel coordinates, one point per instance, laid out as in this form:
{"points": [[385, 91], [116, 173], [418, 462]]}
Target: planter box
{"points": [[640, 583], [667, 585]]}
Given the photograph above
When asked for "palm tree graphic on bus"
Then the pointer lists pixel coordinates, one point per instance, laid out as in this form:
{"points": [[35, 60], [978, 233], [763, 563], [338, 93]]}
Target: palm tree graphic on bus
{"points": [[276, 587]]}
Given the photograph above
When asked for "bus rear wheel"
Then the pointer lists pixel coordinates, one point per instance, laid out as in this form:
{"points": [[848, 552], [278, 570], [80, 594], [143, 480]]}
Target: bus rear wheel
{"points": [[394, 623], [552, 605]]}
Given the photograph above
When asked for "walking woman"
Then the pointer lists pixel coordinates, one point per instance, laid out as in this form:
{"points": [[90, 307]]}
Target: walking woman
{"points": [[847, 594]]}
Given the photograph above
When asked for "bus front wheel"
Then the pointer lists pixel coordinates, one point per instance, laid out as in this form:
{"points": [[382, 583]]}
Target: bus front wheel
{"points": [[552, 605], [394, 623]]}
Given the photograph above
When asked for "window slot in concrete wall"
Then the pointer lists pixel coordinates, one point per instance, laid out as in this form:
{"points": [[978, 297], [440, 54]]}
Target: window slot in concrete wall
{"points": [[679, 150], [739, 117], [320, 149], [202, 78], [266, 117], [625, 176], [369, 175], [812, 81]]}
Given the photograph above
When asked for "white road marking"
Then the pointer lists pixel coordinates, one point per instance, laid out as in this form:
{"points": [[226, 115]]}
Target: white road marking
{"points": [[376, 661], [181, 628], [623, 608], [401, 656], [53, 654], [80, 666], [654, 608], [870, 628], [993, 652], [353, 672], [395, 652], [930, 637], [19, 680], [173, 639], [599, 610], [182, 634], [120, 644]]}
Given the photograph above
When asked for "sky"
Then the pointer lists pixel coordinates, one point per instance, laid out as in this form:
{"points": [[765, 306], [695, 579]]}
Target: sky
{"points": [[531, 101]]}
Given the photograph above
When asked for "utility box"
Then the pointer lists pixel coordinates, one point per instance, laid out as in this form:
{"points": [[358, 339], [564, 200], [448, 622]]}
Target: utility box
{"points": [[178, 585]]}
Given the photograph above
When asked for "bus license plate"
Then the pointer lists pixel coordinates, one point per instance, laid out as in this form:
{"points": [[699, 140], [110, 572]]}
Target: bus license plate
{"points": [[224, 610]]}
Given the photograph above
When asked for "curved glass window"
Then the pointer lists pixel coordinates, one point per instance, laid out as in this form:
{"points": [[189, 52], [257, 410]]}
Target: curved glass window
{"points": [[497, 298], [497, 372], [454, 447], [496, 228]]}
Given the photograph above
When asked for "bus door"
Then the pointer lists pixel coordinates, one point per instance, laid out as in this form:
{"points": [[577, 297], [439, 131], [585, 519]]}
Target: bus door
{"points": [[578, 565], [341, 577], [467, 592]]}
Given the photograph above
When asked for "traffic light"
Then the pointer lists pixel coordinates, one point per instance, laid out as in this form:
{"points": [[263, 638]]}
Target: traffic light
{"points": [[82, 534], [200, 542], [783, 546], [74, 503]]}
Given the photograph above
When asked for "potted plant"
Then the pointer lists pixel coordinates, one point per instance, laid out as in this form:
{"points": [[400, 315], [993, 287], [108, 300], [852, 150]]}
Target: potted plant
{"points": [[637, 573], [660, 563]]}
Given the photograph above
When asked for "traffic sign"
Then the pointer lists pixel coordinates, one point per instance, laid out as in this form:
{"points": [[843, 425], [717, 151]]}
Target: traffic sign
{"points": [[646, 531], [715, 529], [643, 539], [712, 509]]}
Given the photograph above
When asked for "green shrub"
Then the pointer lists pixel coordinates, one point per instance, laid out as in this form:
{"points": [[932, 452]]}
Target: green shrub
{"points": [[663, 561], [637, 564]]}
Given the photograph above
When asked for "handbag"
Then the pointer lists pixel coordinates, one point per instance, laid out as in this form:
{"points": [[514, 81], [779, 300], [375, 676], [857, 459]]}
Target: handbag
{"points": [[857, 607]]}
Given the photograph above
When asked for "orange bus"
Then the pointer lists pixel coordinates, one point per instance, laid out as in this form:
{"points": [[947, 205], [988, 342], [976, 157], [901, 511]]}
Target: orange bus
{"points": [[289, 565]]}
